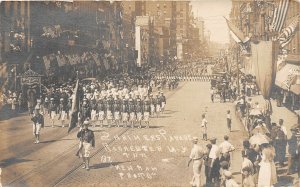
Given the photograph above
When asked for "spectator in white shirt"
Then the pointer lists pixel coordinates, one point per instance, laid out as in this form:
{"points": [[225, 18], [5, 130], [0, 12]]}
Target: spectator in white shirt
{"points": [[204, 127], [225, 149], [196, 156], [215, 164]]}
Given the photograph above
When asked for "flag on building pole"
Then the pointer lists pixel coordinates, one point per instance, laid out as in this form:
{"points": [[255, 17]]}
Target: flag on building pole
{"points": [[236, 34], [279, 15], [75, 108], [288, 33]]}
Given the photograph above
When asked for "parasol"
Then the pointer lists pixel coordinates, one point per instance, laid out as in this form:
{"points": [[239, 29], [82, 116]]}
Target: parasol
{"points": [[259, 139], [260, 129], [255, 112]]}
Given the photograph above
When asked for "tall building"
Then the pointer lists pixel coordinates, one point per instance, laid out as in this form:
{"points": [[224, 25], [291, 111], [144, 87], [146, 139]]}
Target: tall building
{"points": [[199, 22], [168, 15], [182, 18], [162, 13]]}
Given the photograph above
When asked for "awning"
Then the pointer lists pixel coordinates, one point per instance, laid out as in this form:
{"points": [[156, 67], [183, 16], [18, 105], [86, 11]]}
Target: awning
{"points": [[286, 76]]}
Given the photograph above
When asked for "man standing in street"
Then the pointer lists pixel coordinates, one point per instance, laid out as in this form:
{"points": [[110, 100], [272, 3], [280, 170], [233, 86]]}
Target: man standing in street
{"points": [[146, 111], [204, 127], [196, 156], [228, 117], [87, 140], [38, 123], [215, 164], [225, 149], [163, 102]]}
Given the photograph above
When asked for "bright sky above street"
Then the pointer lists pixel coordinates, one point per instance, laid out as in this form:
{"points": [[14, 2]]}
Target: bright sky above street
{"points": [[212, 11]]}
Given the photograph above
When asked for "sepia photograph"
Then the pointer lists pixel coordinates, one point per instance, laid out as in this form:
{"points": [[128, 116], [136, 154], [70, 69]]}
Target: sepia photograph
{"points": [[150, 93]]}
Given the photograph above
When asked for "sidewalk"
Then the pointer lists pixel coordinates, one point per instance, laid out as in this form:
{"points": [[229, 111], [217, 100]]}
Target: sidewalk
{"points": [[289, 117]]}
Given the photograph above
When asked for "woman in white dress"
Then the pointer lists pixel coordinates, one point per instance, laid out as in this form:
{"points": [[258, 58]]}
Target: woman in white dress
{"points": [[267, 176]]}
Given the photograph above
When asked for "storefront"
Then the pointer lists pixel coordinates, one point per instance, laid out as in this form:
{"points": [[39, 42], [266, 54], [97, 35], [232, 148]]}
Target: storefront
{"points": [[288, 86]]}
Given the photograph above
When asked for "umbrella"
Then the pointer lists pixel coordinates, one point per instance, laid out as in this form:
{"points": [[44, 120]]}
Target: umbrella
{"points": [[255, 112], [258, 139], [260, 129]]}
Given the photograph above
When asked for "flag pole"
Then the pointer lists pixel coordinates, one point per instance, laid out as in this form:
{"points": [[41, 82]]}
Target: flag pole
{"points": [[237, 67]]}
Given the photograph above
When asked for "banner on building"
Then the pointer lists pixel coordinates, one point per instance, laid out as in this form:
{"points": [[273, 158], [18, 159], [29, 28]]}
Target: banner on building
{"points": [[264, 55], [138, 45]]}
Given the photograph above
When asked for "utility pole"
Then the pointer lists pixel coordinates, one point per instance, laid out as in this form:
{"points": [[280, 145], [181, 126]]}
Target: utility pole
{"points": [[237, 67]]}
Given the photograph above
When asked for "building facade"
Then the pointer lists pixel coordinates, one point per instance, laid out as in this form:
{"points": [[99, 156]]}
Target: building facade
{"points": [[294, 46]]}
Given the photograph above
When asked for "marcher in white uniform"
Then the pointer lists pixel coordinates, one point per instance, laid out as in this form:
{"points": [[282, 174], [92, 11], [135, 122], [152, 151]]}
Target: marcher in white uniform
{"points": [[196, 156]]}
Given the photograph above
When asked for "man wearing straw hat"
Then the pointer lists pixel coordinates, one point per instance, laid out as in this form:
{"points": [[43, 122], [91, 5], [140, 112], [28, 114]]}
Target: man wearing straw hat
{"points": [[38, 123], [87, 140], [196, 156]]}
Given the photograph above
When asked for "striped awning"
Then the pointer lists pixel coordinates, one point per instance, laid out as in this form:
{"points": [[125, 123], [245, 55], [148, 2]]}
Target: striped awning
{"points": [[287, 76]]}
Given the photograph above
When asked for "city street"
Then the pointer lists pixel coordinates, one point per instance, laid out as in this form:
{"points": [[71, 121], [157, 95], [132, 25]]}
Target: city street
{"points": [[202, 93], [153, 157]]}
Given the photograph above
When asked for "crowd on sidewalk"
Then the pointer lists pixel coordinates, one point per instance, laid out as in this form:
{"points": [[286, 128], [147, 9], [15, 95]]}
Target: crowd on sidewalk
{"points": [[269, 148]]}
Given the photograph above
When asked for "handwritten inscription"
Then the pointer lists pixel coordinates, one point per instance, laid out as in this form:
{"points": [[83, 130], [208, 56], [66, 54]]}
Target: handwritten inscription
{"points": [[136, 172], [142, 147], [161, 136]]}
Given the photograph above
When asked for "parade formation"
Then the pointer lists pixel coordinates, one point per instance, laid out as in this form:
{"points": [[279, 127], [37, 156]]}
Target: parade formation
{"points": [[150, 93]]}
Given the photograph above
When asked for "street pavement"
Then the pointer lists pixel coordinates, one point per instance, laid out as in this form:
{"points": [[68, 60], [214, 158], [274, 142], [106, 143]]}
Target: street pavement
{"points": [[156, 156]]}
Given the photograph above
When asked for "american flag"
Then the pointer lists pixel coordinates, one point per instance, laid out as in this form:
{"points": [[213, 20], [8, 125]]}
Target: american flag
{"points": [[279, 15], [287, 34]]}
